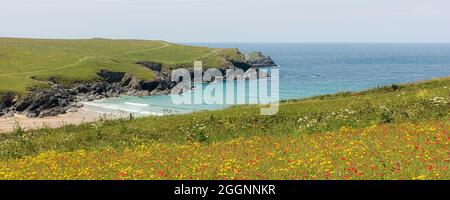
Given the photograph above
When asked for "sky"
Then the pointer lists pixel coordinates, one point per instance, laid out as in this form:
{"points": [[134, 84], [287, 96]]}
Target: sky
{"points": [[230, 20]]}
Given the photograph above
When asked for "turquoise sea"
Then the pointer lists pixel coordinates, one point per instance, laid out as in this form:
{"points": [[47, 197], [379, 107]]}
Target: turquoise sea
{"points": [[309, 69]]}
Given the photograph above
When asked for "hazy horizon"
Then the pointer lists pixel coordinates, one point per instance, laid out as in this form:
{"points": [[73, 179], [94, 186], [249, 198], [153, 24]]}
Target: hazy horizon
{"points": [[227, 42], [230, 21]]}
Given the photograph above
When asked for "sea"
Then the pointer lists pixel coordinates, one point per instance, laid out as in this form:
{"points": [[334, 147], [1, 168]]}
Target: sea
{"points": [[305, 70]]}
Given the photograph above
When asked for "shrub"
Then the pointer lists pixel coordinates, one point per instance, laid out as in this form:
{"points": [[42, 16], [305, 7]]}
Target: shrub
{"points": [[201, 137], [18, 130], [386, 115], [395, 87]]}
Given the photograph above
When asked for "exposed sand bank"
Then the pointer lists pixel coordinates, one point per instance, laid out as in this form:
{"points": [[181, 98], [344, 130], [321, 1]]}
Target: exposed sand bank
{"points": [[81, 116]]}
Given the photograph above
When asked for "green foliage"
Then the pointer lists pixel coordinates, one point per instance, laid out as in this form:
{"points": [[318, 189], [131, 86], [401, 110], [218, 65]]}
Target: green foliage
{"points": [[18, 130], [386, 115], [201, 137]]}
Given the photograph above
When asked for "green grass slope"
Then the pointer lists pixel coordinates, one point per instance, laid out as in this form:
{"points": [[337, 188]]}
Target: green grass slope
{"points": [[394, 132], [71, 61]]}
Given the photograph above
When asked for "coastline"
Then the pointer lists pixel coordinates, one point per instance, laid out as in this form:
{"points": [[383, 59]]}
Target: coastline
{"points": [[58, 99], [81, 115]]}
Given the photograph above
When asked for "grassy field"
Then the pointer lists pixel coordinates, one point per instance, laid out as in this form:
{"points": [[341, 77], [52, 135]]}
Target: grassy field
{"points": [[72, 61], [395, 132]]}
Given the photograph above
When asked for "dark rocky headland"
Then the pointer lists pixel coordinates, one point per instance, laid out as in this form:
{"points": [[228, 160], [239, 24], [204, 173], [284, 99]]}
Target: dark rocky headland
{"points": [[57, 99]]}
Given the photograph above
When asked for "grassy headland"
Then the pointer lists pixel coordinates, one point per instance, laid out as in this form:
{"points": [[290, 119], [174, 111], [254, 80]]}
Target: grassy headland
{"points": [[395, 132], [24, 62]]}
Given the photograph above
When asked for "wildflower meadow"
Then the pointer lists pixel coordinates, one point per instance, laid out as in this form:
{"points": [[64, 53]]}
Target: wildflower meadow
{"points": [[396, 132]]}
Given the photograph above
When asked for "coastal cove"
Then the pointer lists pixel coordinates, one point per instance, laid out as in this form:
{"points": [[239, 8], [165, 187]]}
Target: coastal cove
{"points": [[308, 70], [93, 69]]}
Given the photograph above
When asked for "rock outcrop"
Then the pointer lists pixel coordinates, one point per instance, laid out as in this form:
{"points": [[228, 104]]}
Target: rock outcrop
{"points": [[48, 102], [7, 100], [151, 65], [257, 59]]}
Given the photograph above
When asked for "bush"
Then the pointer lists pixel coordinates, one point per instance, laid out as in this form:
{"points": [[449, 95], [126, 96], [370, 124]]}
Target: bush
{"points": [[386, 115], [201, 137], [395, 87]]}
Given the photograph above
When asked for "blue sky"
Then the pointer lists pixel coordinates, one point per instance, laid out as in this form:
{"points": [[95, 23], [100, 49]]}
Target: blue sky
{"points": [[230, 20]]}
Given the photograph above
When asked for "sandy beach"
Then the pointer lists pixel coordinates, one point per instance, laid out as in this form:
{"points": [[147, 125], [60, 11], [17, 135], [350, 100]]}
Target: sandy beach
{"points": [[82, 115]]}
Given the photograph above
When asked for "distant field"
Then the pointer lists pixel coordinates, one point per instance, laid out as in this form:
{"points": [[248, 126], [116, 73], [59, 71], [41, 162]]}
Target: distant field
{"points": [[394, 132], [78, 60]]}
